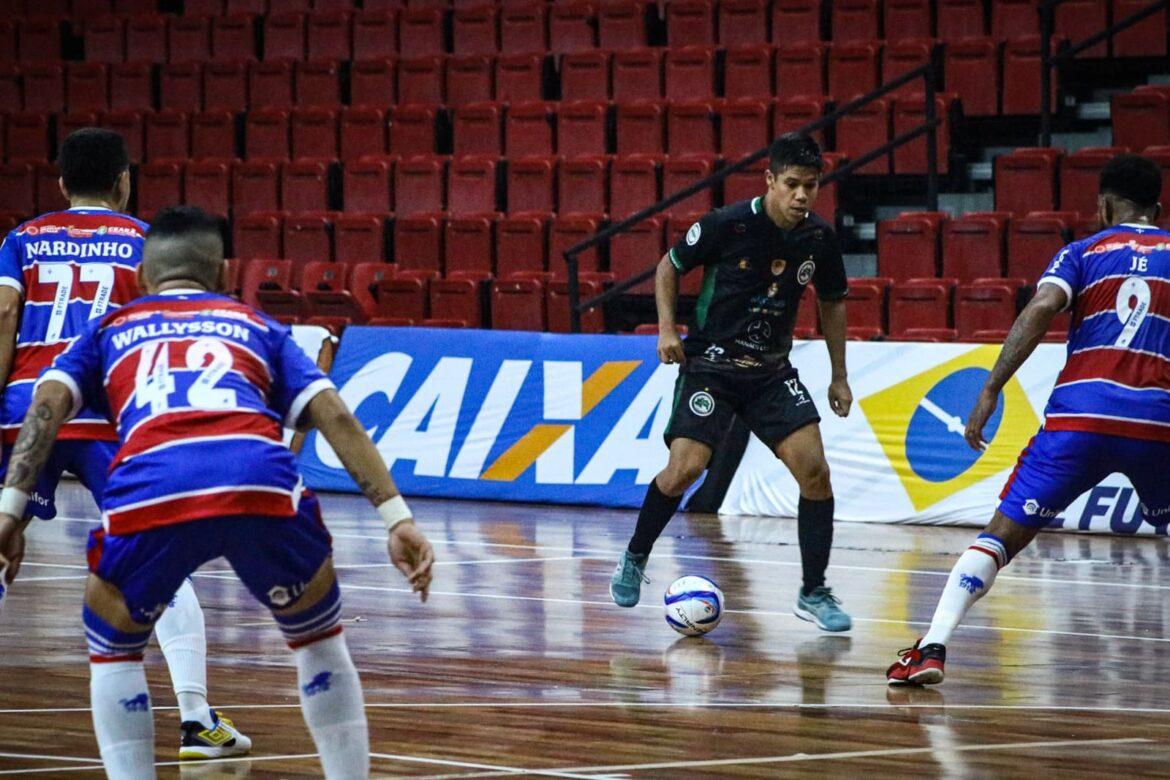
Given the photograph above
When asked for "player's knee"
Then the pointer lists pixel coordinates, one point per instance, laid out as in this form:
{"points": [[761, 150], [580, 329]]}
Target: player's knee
{"points": [[813, 479], [679, 476], [109, 643], [316, 619]]}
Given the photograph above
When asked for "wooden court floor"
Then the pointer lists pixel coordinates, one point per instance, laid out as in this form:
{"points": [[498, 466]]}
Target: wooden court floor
{"points": [[519, 665]]}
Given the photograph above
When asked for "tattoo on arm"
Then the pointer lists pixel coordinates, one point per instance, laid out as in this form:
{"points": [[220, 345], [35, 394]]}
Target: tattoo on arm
{"points": [[1026, 333], [33, 445], [377, 495]]}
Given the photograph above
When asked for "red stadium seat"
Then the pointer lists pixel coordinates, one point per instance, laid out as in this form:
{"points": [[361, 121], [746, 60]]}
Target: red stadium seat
{"points": [[359, 238], [157, 186], [27, 137], [44, 87], [959, 19], [204, 7], [362, 281], [1013, 18], [566, 232], [1161, 156], [8, 47], [640, 128], [18, 188], [581, 129], [362, 132], [412, 130], [105, 41], [1140, 119], [800, 70], [904, 56], [469, 80], [131, 87], [314, 133], [318, 83], [329, 36], [284, 36], [213, 135], [634, 250], [477, 129], [257, 236], [906, 19], [637, 75], [973, 247], [48, 189], [983, 307], [307, 237], [420, 32], [690, 72], [530, 184], [418, 243], [581, 185], [865, 308], [474, 30], [39, 40], [853, 69], [418, 185], [1147, 38], [1078, 19], [910, 113], [1021, 76], [264, 274], [523, 28], [676, 228], [167, 136], [690, 23], [304, 185], [270, 84], [266, 134], [921, 304], [246, 6], [585, 76], [207, 184], [366, 187], [1032, 243], [742, 22], [467, 246], [748, 183], [633, 185], [520, 245], [401, 298], [127, 124], [10, 88], [233, 37], [908, 247], [528, 129], [187, 37], [225, 85], [826, 205], [855, 20], [747, 72], [744, 127], [457, 301], [518, 304], [1079, 176], [973, 70], [372, 83], [571, 26], [255, 187], [375, 34], [678, 174], [862, 131], [180, 87], [420, 80], [1025, 180], [690, 128], [557, 302], [795, 21], [471, 185], [519, 77], [621, 24]]}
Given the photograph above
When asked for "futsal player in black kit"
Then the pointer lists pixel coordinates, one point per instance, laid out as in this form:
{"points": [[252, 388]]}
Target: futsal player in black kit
{"points": [[757, 257]]}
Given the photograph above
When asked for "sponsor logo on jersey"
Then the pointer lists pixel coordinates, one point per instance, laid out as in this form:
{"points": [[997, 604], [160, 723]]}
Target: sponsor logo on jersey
{"points": [[805, 273], [693, 234], [702, 403], [1033, 508]]}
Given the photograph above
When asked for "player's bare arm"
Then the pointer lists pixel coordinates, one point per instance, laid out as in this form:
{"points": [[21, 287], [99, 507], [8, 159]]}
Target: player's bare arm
{"points": [[670, 347], [1027, 331], [410, 552], [833, 324], [11, 302], [50, 408]]}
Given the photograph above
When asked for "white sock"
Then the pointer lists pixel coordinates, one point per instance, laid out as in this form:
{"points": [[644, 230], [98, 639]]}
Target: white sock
{"points": [[972, 576], [331, 700], [182, 639], [122, 720]]}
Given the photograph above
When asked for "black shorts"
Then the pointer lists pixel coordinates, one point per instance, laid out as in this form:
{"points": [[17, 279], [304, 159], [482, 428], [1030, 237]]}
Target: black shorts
{"points": [[773, 406]]}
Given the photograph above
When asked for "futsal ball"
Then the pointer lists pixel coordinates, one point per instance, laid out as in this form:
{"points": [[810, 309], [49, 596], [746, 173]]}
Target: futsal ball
{"points": [[694, 605]]}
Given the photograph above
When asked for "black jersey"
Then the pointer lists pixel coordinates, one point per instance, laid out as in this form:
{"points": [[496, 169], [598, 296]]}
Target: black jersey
{"points": [[754, 274]]}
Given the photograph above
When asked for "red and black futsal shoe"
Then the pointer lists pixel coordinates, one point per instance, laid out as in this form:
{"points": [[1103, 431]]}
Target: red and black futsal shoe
{"points": [[918, 665]]}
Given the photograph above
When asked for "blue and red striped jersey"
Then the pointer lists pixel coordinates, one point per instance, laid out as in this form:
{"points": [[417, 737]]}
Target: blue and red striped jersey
{"points": [[200, 387], [1117, 377], [71, 266]]}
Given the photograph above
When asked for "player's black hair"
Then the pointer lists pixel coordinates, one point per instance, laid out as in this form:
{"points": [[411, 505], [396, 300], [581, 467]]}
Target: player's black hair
{"points": [[184, 242], [1133, 177], [91, 160], [795, 149]]}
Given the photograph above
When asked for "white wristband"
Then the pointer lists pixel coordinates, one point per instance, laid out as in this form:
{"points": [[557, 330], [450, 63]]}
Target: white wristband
{"points": [[13, 502], [393, 512]]}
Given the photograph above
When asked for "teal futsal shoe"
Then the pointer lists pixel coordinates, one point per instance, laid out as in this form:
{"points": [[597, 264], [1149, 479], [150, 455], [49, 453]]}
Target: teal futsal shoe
{"points": [[625, 586], [824, 609]]}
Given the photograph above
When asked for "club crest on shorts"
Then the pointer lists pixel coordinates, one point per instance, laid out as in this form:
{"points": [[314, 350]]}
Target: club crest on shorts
{"points": [[778, 266], [805, 273], [702, 403], [693, 234]]}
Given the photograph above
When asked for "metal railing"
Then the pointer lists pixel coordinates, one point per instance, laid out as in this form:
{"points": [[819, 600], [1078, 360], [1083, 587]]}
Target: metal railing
{"points": [[928, 73], [1048, 60]]}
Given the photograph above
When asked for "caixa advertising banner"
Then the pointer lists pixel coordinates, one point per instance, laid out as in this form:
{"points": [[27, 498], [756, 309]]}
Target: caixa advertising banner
{"points": [[900, 457], [504, 415]]}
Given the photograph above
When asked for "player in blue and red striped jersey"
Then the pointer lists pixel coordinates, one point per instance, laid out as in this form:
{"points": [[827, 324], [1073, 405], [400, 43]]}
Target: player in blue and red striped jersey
{"points": [[1110, 409], [57, 273], [200, 387]]}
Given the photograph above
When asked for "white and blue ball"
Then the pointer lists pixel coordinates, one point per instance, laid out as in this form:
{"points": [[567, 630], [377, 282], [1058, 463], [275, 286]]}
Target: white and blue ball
{"points": [[694, 605]]}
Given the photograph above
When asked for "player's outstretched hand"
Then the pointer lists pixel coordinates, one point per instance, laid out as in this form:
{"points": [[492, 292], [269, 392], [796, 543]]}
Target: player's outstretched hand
{"points": [[11, 546], [413, 555], [840, 397], [984, 408], [670, 347]]}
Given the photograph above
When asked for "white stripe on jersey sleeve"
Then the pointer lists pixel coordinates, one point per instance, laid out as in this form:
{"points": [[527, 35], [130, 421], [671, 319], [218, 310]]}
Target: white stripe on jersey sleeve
{"points": [[302, 400]]}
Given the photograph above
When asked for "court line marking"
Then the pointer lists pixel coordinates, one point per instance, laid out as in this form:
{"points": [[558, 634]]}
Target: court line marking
{"points": [[60, 578], [800, 757], [511, 770], [41, 757]]}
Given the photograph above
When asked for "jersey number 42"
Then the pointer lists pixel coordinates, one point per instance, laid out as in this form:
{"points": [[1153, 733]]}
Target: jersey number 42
{"points": [[154, 383]]}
